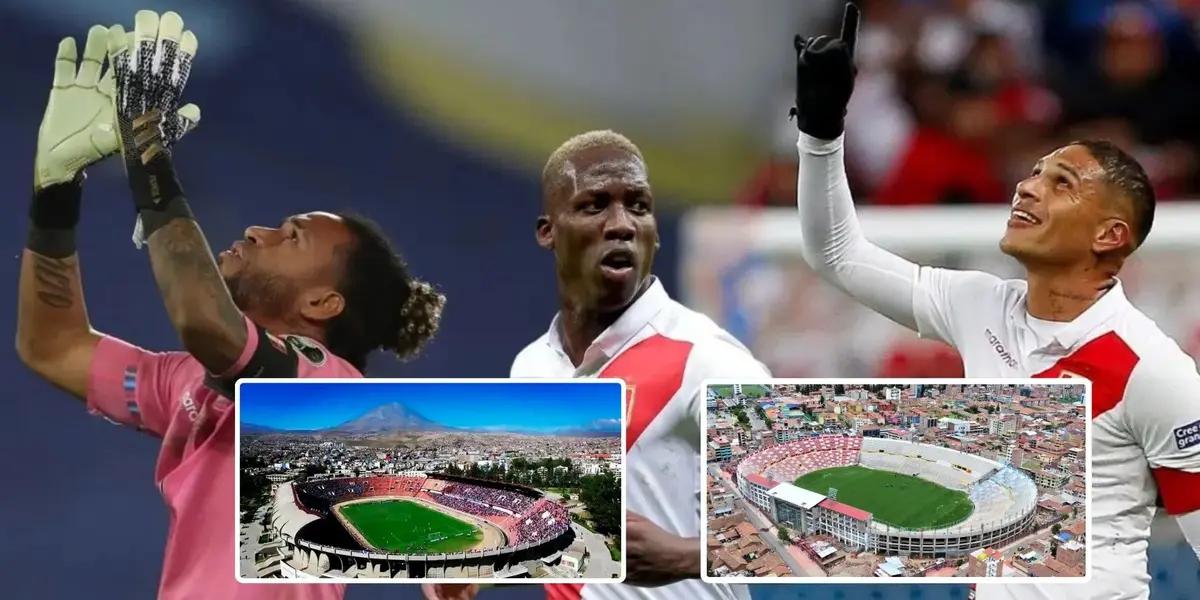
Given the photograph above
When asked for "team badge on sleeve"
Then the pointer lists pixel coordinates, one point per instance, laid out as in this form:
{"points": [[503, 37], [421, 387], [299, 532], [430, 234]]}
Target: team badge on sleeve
{"points": [[308, 349], [1188, 435]]}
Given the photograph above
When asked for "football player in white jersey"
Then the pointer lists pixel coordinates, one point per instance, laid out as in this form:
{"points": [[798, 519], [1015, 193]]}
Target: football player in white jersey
{"points": [[1081, 212], [617, 320]]}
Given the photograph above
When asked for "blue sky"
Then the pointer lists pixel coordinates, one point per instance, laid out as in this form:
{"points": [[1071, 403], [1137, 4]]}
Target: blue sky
{"points": [[525, 405]]}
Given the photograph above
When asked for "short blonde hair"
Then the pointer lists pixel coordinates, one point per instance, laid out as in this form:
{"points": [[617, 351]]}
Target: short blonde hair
{"points": [[552, 173]]}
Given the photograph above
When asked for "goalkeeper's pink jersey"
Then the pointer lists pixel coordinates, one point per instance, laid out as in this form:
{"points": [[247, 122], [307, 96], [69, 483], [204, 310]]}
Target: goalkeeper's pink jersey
{"points": [[165, 395]]}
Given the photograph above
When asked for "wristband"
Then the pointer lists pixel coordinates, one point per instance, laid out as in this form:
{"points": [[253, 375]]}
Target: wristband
{"points": [[157, 195], [51, 243], [53, 215], [57, 206]]}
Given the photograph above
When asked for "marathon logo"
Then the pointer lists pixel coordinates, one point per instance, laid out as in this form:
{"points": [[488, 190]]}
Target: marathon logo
{"points": [[998, 346], [1188, 436]]}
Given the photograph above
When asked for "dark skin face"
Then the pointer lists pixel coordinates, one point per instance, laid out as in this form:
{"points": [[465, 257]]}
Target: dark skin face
{"points": [[287, 275], [599, 222], [1066, 214]]}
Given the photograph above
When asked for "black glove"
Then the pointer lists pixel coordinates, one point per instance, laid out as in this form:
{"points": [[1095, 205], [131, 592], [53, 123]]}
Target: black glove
{"points": [[825, 79]]}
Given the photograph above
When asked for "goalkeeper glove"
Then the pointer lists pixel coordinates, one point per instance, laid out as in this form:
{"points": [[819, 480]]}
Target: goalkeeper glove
{"points": [[77, 128], [825, 79], [152, 67]]}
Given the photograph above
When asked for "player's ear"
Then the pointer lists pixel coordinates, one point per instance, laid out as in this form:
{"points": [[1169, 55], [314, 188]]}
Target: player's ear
{"points": [[545, 232], [1114, 235], [322, 304]]}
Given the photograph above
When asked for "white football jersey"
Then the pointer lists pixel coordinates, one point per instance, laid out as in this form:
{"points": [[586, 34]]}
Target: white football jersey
{"points": [[1145, 410], [663, 351]]}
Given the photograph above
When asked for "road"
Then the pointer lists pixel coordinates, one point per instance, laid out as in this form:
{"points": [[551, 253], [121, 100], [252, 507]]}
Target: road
{"points": [[599, 562], [756, 423]]}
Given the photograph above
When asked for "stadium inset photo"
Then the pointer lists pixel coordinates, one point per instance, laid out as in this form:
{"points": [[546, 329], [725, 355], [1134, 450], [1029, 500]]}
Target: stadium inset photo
{"points": [[878, 480], [393, 480]]}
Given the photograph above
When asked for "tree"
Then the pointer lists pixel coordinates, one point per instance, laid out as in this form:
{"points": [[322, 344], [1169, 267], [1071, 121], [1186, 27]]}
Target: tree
{"points": [[255, 489], [601, 494], [839, 389], [784, 537], [1055, 529], [740, 413]]}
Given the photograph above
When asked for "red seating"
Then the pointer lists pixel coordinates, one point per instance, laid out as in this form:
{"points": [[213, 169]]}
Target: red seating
{"points": [[786, 462]]}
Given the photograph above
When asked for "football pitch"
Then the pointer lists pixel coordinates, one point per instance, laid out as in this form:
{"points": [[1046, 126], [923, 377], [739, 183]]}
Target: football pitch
{"points": [[897, 500], [748, 390], [406, 527]]}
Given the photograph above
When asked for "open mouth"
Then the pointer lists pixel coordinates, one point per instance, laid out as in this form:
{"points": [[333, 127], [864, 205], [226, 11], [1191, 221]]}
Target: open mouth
{"points": [[618, 260], [1018, 216]]}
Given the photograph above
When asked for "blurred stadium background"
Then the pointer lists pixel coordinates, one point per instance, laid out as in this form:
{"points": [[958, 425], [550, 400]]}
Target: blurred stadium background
{"points": [[434, 118]]}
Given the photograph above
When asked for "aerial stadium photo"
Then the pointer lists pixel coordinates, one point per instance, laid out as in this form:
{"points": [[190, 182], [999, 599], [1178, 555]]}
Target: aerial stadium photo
{"points": [[897, 479], [385, 481]]}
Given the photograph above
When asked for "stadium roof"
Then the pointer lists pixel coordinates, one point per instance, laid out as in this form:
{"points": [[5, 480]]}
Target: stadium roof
{"points": [[757, 479], [845, 509], [796, 496], [288, 516]]}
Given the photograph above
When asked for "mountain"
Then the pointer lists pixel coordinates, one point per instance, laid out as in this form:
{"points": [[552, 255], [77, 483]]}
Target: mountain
{"points": [[387, 418], [252, 428], [597, 428]]}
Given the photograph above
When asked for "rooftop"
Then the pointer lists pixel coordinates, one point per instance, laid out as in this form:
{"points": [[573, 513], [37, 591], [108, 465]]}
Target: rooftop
{"points": [[759, 480], [846, 509], [796, 496]]}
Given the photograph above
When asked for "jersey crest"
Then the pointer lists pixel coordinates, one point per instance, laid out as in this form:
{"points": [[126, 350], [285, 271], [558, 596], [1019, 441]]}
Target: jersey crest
{"points": [[307, 348]]}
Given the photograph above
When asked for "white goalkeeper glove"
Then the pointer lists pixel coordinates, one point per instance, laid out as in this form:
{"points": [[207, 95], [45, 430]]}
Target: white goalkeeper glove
{"points": [[78, 128]]}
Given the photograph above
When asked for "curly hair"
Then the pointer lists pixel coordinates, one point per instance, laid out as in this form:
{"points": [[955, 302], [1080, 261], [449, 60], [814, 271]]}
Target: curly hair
{"points": [[386, 307]]}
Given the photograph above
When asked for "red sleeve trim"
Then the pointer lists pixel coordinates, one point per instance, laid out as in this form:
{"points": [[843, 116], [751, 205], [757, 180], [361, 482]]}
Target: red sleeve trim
{"points": [[564, 591], [1180, 490]]}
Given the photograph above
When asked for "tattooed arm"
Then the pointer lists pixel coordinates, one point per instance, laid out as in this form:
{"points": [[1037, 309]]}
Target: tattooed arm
{"points": [[210, 325], [54, 337]]}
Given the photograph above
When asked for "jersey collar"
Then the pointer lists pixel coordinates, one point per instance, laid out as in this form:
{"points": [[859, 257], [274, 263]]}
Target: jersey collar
{"points": [[616, 336], [1078, 330]]}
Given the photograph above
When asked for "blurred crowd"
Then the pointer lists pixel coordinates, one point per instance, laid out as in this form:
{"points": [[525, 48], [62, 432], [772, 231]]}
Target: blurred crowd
{"points": [[956, 99]]}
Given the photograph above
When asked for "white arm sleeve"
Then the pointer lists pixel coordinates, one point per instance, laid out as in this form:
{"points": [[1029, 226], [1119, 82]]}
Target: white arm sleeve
{"points": [[833, 243], [919, 298]]}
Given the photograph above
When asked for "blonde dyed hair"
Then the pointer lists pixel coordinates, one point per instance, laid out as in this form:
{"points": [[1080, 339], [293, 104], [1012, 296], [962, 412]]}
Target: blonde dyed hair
{"points": [[558, 167]]}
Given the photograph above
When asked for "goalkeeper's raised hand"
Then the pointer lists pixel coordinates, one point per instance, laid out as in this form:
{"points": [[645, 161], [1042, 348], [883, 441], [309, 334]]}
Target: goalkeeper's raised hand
{"points": [[151, 68], [77, 128], [825, 79]]}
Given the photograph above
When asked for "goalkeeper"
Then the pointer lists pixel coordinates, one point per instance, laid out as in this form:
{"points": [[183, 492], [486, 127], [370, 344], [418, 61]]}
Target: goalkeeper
{"points": [[310, 298]]}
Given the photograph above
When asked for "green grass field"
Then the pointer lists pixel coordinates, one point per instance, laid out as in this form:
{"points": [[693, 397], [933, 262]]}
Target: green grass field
{"points": [[405, 527], [895, 499], [749, 391]]}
